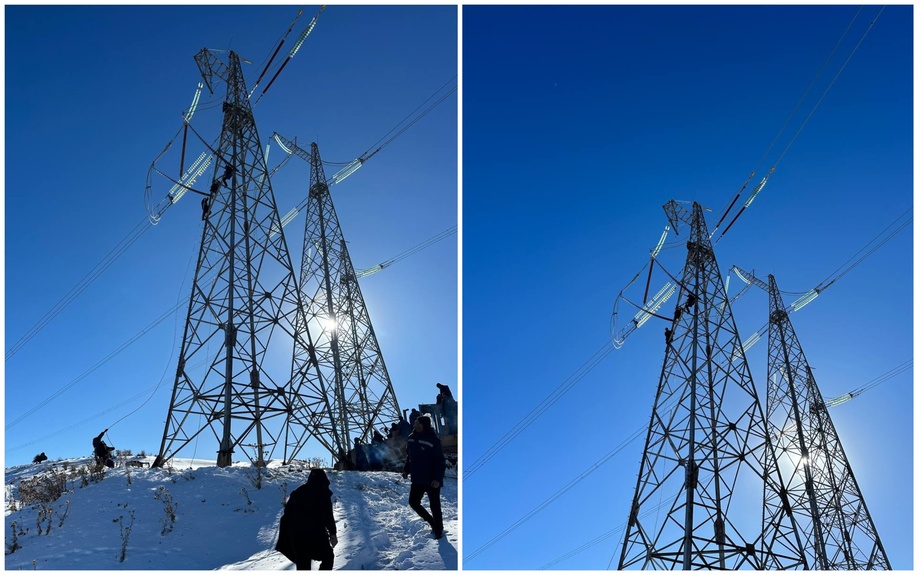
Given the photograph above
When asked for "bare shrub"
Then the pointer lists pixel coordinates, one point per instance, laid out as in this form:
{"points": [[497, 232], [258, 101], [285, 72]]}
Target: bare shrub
{"points": [[125, 534], [169, 508], [13, 544], [45, 487]]}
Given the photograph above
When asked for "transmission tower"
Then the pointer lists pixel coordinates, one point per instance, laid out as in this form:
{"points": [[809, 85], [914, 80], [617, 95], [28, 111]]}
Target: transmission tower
{"points": [[825, 499], [244, 302], [345, 351], [708, 462]]}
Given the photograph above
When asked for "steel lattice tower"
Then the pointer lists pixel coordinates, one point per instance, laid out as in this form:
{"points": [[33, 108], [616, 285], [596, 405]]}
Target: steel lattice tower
{"points": [[354, 392], [244, 302], [708, 462], [828, 506]]}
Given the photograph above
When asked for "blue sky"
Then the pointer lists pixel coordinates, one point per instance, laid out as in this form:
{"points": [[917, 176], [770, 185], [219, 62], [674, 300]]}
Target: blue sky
{"points": [[93, 94], [579, 123]]}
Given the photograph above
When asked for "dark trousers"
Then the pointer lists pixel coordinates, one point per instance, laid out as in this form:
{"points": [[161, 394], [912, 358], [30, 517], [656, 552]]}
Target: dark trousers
{"points": [[324, 566], [324, 554], [434, 500]]}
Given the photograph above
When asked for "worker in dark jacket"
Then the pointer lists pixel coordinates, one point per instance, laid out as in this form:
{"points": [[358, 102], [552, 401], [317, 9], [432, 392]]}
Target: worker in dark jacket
{"points": [[307, 530], [102, 451], [425, 462]]}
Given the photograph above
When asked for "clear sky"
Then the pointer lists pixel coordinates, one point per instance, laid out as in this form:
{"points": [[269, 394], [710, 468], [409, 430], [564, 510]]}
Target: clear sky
{"points": [[93, 94], [579, 123]]}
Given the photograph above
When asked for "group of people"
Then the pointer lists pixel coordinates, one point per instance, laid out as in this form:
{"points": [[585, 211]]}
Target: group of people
{"points": [[307, 531], [379, 454]]}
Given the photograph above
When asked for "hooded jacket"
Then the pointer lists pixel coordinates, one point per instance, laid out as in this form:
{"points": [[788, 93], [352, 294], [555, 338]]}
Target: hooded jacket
{"points": [[307, 522]]}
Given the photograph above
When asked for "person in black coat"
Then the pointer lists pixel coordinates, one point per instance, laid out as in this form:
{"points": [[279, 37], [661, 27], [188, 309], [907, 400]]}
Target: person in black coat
{"points": [[425, 462], [307, 530], [102, 451]]}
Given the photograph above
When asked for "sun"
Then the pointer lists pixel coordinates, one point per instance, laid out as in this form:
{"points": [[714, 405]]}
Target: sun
{"points": [[329, 323]]}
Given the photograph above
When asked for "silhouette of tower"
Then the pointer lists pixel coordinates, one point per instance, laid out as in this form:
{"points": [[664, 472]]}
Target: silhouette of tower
{"points": [[826, 502], [708, 461], [354, 393], [229, 383]]}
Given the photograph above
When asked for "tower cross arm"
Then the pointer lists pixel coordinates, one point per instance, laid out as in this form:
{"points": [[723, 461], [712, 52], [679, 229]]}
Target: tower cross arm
{"points": [[291, 147], [750, 278], [677, 213], [210, 66]]}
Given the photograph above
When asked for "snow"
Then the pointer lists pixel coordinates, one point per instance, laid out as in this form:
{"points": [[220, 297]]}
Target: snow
{"points": [[223, 518]]}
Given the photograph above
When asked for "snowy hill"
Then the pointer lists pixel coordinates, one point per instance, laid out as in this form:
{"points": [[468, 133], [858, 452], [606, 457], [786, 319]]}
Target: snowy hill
{"points": [[195, 515]]}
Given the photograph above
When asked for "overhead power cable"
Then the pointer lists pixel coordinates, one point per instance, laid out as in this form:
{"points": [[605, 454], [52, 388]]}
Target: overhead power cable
{"points": [[83, 421], [648, 309], [411, 251], [290, 147], [841, 399], [805, 93], [869, 249], [609, 455], [81, 286], [539, 410], [587, 366], [409, 120], [96, 366], [828, 402], [172, 310], [763, 182], [829, 86], [154, 213], [482, 549]]}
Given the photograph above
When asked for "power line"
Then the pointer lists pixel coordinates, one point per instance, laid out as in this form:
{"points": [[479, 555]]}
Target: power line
{"points": [[763, 182], [95, 366], [608, 456], [417, 248], [554, 497], [581, 372], [411, 251], [184, 184], [540, 409], [81, 286]]}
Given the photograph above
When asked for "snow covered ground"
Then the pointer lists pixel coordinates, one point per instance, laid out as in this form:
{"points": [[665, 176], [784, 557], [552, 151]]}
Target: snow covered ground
{"points": [[196, 515]]}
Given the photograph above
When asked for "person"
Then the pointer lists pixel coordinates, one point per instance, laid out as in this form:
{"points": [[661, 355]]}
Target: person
{"points": [[413, 415], [425, 462], [444, 393], [405, 428], [102, 451], [361, 463], [307, 529], [375, 457], [448, 407]]}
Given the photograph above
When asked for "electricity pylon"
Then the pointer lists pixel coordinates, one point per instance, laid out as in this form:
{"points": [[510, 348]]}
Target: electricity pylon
{"points": [[708, 462], [354, 392], [826, 501], [244, 302]]}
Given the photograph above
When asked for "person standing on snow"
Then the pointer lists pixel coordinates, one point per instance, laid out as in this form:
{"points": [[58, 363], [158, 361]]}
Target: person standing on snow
{"points": [[307, 530], [426, 463]]}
